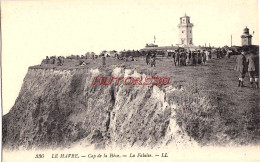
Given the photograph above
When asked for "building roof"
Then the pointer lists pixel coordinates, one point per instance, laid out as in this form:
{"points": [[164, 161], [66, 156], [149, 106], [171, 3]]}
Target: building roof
{"points": [[160, 48], [151, 45], [169, 47], [185, 16], [246, 28]]}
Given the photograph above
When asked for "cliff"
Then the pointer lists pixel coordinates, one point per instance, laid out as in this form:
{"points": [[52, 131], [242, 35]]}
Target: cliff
{"points": [[60, 108]]}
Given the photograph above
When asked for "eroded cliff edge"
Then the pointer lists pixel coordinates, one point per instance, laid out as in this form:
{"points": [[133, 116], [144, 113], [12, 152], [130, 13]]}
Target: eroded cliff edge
{"points": [[58, 108]]}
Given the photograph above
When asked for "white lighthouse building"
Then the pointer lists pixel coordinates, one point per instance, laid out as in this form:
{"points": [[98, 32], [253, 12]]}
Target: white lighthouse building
{"points": [[185, 31], [246, 38]]}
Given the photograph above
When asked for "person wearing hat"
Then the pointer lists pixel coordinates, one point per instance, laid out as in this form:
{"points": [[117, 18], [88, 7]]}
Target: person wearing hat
{"points": [[241, 68], [253, 68]]}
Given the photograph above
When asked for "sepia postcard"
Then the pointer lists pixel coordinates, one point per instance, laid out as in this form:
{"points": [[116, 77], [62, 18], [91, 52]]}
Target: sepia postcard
{"points": [[130, 80]]}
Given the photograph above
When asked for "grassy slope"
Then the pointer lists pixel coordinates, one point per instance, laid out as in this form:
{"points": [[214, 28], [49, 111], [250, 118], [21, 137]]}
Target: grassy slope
{"points": [[233, 115]]}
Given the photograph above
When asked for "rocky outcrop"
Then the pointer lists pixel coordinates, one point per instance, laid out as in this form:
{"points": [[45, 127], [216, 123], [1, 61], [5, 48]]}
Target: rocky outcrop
{"points": [[59, 108]]}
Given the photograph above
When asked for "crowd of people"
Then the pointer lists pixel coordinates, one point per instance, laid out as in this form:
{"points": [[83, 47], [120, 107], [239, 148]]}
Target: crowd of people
{"points": [[181, 57], [184, 57], [60, 60], [247, 61], [54, 60]]}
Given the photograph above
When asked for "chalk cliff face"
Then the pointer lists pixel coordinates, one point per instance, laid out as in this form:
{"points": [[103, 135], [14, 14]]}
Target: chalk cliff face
{"points": [[59, 108]]}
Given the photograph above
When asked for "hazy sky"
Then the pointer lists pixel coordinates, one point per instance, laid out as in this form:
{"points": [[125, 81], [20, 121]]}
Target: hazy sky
{"points": [[33, 29]]}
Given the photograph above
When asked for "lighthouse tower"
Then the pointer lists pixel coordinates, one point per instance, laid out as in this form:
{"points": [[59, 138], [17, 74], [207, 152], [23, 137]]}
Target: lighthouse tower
{"points": [[185, 31], [246, 38]]}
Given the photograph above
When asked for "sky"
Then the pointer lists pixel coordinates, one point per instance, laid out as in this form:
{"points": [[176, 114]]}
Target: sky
{"points": [[31, 30]]}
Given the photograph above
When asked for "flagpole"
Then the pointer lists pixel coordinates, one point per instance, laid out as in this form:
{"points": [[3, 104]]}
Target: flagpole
{"points": [[231, 40]]}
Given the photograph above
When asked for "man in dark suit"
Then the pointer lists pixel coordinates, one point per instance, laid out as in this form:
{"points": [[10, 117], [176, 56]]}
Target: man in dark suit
{"points": [[253, 68], [241, 68], [178, 57], [193, 58], [147, 58], [199, 58], [183, 58]]}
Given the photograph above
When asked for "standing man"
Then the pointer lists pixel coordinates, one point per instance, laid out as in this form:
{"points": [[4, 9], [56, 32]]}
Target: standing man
{"points": [[223, 53], [153, 60], [210, 54], [184, 58], [174, 58], [47, 59], [193, 58], [253, 68], [204, 57], [60, 62], [147, 58], [189, 54], [220, 53], [241, 68], [178, 57], [199, 58]]}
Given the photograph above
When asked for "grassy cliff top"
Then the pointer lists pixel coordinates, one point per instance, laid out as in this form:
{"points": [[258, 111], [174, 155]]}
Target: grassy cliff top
{"points": [[210, 106]]}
